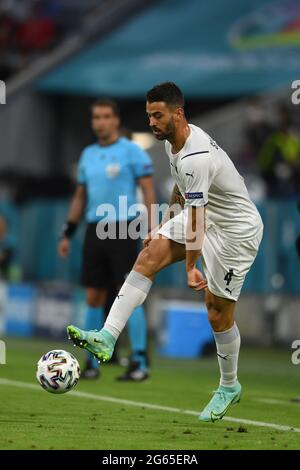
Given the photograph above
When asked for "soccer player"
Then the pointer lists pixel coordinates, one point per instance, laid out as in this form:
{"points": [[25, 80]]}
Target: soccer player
{"points": [[218, 222], [114, 166]]}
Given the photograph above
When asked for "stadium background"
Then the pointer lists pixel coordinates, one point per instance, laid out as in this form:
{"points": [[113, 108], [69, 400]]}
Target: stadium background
{"points": [[235, 61]]}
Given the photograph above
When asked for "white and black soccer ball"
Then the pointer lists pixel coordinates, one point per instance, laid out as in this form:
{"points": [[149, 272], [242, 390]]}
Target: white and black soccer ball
{"points": [[58, 371]]}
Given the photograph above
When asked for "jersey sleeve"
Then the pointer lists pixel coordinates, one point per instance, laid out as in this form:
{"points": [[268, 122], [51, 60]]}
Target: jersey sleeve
{"points": [[195, 174], [141, 162], [81, 176]]}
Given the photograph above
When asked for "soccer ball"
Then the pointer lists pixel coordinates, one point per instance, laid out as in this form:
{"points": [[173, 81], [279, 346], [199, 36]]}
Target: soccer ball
{"points": [[58, 371]]}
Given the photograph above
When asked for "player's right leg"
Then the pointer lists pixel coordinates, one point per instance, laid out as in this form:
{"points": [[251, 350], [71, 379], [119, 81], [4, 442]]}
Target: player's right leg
{"points": [[227, 337], [226, 263], [157, 255]]}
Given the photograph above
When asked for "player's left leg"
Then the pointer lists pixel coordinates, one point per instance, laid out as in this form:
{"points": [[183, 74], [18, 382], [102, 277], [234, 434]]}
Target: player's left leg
{"points": [[158, 254], [227, 337]]}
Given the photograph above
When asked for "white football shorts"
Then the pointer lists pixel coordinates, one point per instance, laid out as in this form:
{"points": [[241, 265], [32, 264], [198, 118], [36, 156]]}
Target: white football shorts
{"points": [[225, 261]]}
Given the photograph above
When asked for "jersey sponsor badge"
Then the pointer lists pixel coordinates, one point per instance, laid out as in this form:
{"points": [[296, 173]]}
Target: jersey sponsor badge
{"points": [[193, 195]]}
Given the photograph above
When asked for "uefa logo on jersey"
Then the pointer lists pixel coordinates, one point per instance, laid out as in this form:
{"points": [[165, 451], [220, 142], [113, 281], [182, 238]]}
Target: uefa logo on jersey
{"points": [[2, 92]]}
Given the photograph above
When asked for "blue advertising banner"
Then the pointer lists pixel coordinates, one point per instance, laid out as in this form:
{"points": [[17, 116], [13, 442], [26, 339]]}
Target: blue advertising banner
{"points": [[216, 48], [19, 309], [42, 310]]}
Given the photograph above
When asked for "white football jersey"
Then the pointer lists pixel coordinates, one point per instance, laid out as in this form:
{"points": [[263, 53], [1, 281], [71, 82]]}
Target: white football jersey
{"points": [[206, 176]]}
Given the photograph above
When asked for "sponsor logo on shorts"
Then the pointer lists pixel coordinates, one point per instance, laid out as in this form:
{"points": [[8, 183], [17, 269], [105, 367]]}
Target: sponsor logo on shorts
{"points": [[193, 195]]}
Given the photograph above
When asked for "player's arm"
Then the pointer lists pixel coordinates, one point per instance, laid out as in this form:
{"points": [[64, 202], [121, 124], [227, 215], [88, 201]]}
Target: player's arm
{"points": [[147, 186], [176, 199], [196, 173], [176, 204], [75, 213], [194, 240]]}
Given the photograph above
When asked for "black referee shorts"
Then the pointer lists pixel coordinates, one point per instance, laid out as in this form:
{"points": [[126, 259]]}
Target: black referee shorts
{"points": [[106, 262]]}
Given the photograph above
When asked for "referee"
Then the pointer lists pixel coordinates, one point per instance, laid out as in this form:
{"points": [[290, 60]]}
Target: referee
{"points": [[108, 169]]}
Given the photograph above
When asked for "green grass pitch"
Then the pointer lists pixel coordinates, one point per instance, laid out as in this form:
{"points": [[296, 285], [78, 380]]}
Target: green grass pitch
{"points": [[31, 418]]}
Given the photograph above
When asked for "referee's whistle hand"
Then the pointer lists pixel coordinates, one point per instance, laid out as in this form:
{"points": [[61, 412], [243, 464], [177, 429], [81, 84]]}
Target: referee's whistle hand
{"points": [[64, 247], [196, 280]]}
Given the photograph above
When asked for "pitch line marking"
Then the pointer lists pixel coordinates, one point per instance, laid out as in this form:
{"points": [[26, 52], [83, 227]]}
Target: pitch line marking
{"points": [[121, 401], [273, 401]]}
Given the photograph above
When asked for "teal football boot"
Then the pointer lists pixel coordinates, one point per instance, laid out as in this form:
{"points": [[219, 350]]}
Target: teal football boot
{"points": [[100, 343], [222, 399]]}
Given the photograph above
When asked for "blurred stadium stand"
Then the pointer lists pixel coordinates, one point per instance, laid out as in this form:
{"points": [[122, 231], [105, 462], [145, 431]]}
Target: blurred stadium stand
{"points": [[31, 28], [236, 75]]}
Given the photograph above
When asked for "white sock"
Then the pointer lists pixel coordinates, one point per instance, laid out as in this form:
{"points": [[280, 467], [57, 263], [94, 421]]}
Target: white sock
{"points": [[132, 294], [228, 346]]}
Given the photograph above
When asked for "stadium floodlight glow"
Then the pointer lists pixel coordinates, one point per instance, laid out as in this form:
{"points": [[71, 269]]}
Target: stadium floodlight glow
{"points": [[144, 140], [2, 92]]}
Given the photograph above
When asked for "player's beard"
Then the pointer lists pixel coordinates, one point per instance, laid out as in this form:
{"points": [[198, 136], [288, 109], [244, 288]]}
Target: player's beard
{"points": [[168, 132]]}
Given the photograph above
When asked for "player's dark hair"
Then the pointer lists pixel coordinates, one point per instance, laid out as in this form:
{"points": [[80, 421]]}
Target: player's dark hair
{"points": [[168, 92], [107, 102]]}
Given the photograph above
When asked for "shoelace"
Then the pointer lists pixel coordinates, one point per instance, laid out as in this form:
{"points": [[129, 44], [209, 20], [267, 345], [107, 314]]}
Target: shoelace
{"points": [[222, 394]]}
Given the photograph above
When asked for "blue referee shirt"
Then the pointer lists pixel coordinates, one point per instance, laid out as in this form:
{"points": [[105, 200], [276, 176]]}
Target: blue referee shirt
{"points": [[109, 172]]}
